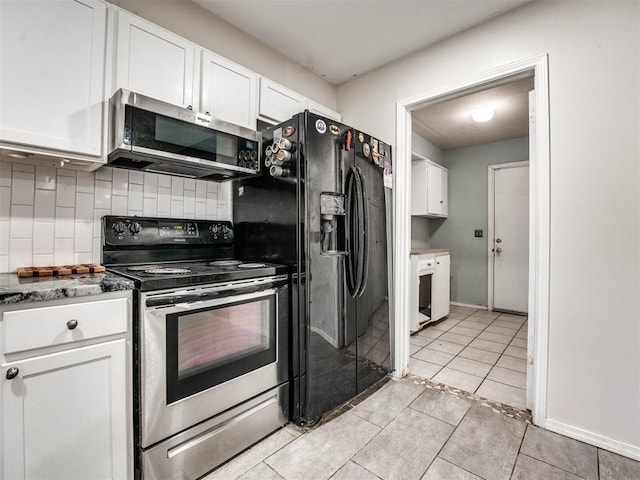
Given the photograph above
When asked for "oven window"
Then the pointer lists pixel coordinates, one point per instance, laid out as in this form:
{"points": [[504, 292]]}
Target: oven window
{"points": [[207, 347]]}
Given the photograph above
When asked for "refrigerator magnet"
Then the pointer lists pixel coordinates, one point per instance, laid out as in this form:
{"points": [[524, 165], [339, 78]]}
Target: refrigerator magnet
{"points": [[334, 129], [321, 127]]}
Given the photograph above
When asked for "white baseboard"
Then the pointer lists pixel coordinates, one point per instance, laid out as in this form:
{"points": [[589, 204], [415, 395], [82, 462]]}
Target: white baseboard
{"points": [[468, 305], [594, 439]]}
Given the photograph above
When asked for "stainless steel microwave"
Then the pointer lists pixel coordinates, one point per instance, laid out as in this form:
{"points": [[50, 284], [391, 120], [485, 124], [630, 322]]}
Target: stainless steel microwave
{"points": [[154, 136]]}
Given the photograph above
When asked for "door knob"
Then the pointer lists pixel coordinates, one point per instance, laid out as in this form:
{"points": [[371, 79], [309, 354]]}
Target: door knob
{"points": [[498, 240], [498, 251]]}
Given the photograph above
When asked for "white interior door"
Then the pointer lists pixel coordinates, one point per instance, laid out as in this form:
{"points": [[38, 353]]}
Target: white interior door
{"points": [[511, 238]]}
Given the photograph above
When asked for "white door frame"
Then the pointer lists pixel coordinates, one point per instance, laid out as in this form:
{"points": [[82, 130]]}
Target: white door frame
{"points": [[491, 211], [539, 217]]}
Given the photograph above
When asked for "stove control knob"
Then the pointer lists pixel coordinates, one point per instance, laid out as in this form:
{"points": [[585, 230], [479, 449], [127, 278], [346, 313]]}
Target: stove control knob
{"points": [[213, 229], [135, 228], [225, 229], [119, 227]]}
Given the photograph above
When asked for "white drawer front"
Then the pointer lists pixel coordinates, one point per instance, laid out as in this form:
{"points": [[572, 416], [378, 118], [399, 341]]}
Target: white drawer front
{"points": [[48, 326]]}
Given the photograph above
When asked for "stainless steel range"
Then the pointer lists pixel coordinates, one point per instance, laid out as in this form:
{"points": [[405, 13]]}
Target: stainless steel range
{"points": [[210, 342]]}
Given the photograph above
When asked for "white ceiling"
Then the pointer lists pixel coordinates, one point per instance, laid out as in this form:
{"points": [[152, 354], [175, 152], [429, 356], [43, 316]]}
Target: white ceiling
{"points": [[449, 125], [340, 39]]}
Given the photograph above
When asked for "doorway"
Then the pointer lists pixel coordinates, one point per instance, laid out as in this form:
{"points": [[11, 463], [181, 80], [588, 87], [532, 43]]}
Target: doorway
{"points": [[508, 237], [538, 214]]}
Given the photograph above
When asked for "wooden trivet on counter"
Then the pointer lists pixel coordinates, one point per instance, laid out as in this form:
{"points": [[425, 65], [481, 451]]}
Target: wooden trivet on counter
{"points": [[59, 270]]}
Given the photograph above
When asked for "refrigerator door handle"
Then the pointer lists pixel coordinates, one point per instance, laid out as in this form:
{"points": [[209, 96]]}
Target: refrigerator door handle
{"points": [[351, 274], [364, 229]]}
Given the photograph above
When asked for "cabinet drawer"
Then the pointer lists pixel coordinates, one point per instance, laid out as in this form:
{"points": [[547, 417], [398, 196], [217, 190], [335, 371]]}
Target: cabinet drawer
{"points": [[48, 326]]}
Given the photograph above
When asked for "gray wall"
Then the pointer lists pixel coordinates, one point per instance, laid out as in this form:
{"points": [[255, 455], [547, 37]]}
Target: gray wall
{"points": [[468, 198], [424, 147], [420, 225]]}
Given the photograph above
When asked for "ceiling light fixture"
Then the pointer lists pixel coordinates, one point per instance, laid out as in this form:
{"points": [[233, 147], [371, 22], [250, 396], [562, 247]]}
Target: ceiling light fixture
{"points": [[482, 114]]}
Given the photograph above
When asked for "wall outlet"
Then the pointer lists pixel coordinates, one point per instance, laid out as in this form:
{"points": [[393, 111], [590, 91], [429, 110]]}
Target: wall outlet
{"points": [[477, 233]]}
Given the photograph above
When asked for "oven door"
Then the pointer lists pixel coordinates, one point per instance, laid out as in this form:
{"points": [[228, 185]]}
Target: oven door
{"points": [[207, 349]]}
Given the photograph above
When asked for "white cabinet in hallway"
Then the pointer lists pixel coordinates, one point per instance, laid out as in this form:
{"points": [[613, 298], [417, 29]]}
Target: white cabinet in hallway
{"points": [[52, 77], [153, 61], [429, 188], [65, 389], [441, 287], [430, 287]]}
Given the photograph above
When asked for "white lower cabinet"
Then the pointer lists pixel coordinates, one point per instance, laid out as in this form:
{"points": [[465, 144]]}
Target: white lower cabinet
{"points": [[66, 406], [441, 287]]}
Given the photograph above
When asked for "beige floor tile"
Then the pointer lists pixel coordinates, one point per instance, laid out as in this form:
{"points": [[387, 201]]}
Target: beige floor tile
{"points": [[467, 310], [467, 365], [454, 378], [414, 348], [487, 345], [509, 332], [471, 325], [522, 334], [419, 340], [480, 320], [486, 314], [423, 369], [495, 337], [508, 377], [480, 355], [517, 352], [510, 316], [433, 356], [516, 397], [446, 347], [457, 316], [429, 333], [513, 363], [506, 324], [455, 338], [460, 329], [519, 342]]}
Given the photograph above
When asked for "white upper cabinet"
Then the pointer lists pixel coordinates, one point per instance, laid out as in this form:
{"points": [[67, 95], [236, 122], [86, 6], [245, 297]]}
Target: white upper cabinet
{"points": [[315, 107], [278, 103], [429, 188], [52, 57], [228, 91], [153, 61]]}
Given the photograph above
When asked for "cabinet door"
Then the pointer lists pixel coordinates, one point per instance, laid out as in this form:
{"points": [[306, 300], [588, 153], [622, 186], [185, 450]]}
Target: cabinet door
{"points": [[52, 75], [153, 61], [419, 196], [278, 103], [440, 288], [228, 91], [65, 415], [319, 109], [434, 190], [445, 192]]}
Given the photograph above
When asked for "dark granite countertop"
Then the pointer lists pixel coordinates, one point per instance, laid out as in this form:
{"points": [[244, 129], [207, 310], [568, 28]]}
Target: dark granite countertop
{"points": [[18, 290]]}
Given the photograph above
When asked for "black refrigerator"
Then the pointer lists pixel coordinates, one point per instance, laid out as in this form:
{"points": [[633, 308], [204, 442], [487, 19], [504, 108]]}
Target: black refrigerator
{"points": [[320, 206]]}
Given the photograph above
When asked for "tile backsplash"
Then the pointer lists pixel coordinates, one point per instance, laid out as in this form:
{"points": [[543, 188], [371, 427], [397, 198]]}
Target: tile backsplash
{"points": [[52, 216]]}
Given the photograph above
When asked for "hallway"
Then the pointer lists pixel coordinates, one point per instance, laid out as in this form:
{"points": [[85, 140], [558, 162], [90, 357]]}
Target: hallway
{"points": [[477, 351]]}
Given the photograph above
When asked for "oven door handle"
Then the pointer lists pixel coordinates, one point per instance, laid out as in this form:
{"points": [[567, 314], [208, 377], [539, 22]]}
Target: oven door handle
{"points": [[183, 301]]}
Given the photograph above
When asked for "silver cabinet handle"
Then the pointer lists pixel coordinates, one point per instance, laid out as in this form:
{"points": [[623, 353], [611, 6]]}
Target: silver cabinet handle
{"points": [[71, 324], [12, 373]]}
